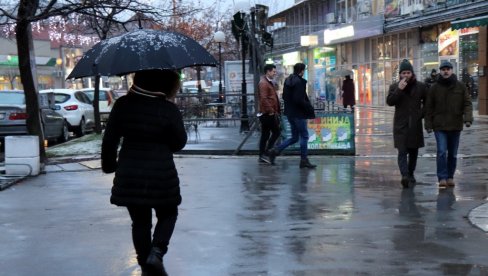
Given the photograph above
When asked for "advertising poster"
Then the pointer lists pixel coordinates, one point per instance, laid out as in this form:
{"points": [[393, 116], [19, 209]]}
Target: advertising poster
{"points": [[448, 43], [328, 133], [391, 8]]}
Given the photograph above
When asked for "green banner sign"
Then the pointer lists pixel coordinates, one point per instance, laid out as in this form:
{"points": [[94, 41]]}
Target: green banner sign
{"points": [[328, 133]]}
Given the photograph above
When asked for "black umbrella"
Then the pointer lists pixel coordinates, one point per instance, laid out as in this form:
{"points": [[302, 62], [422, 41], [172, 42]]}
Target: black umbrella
{"points": [[141, 50]]}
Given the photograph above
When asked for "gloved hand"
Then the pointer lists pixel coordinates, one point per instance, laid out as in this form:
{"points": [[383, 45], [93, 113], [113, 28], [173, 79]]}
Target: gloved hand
{"points": [[429, 130], [467, 124]]}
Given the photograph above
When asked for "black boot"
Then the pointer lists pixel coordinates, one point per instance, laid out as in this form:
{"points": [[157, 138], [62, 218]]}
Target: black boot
{"points": [[405, 180], [154, 263], [272, 153], [411, 178], [304, 163]]}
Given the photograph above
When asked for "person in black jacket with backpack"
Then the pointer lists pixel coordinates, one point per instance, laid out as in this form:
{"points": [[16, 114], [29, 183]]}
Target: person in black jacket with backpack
{"points": [[297, 110], [152, 129]]}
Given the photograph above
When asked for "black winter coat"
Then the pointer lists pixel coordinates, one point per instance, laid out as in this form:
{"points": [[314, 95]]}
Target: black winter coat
{"points": [[152, 130], [409, 111], [297, 104], [448, 105]]}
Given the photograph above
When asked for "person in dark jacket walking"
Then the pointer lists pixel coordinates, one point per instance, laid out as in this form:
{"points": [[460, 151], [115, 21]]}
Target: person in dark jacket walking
{"points": [[348, 93], [152, 129], [269, 112], [408, 96], [297, 109], [448, 107], [429, 81]]}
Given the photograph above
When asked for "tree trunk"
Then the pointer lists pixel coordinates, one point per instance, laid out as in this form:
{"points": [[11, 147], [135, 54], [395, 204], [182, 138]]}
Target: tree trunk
{"points": [[27, 68]]}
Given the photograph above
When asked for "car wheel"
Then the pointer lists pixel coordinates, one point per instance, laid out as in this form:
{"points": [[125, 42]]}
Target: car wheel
{"points": [[64, 133], [81, 128]]}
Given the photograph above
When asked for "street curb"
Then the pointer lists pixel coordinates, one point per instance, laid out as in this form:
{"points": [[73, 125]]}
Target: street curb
{"points": [[479, 217], [9, 182]]}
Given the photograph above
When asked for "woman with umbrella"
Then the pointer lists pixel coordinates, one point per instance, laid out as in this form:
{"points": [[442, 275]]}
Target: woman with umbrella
{"points": [[152, 129]]}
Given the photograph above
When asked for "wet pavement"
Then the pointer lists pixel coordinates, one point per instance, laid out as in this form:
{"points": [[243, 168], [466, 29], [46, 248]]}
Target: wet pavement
{"points": [[349, 216]]}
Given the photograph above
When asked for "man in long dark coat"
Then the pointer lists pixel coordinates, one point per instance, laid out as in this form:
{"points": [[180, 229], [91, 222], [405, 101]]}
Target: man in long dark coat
{"points": [[408, 96]]}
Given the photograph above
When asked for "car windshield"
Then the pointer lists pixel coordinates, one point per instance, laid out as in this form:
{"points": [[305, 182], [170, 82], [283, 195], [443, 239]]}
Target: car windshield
{"points": [[91, 94], [61, 98], [12, 98]]}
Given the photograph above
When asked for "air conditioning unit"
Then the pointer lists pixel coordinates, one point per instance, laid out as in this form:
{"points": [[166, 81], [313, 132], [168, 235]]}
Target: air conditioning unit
{"points": [[330, 17]]}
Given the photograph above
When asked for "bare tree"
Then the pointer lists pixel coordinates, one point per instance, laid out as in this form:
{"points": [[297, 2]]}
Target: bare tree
{"points": [[24, 13]]}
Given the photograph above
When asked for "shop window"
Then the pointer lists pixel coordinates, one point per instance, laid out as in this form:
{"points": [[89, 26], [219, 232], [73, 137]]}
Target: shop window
{"points": [[388, 48], [378, 84], [394, 46], [367, 50], [412, 45], [363, 94], [402, 45], [374, 47]]}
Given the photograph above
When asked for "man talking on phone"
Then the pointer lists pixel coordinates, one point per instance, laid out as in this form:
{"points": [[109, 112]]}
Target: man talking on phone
{"points": [[408, 97]]}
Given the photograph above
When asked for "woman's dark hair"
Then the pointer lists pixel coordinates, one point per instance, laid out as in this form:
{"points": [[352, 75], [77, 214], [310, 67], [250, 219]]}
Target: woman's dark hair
{"points": [[298, 68], [167, 81], [348, 77], [269, 67]]}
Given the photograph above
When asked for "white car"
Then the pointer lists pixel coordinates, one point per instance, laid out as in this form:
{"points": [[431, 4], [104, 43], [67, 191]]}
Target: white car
{"points": [[76, 108], [106, 100]]}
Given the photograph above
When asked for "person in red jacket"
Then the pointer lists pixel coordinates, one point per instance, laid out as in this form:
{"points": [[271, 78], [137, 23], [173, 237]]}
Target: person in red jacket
{"points": [[269, 112]]}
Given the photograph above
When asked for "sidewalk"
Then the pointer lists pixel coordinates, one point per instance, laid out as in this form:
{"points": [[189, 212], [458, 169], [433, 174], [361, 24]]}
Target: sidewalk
{"points": [[348, 216]]}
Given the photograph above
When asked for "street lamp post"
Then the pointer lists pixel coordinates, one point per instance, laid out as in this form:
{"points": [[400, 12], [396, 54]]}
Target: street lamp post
{"points": [[240, 28], [219, 37]]}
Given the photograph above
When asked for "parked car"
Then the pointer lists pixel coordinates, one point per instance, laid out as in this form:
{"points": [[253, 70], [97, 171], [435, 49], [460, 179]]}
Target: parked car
{"points": [[194, 84], [120, 92], [76, 108], [13, 117], [106, 100]]}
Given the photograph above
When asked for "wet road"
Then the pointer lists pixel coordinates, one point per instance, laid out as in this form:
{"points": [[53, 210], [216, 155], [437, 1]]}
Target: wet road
{"points": [[347, 217]]}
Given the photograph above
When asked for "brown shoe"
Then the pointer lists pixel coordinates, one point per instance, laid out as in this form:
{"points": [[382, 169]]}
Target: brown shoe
{"points": [[442, 183], [450, 182]]}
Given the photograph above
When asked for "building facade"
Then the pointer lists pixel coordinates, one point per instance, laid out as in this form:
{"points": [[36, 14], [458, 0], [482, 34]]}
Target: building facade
{"points": [[370, 38]]}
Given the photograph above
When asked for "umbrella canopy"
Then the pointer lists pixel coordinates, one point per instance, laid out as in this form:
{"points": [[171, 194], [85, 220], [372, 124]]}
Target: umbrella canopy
{"points": [[139, 50]]}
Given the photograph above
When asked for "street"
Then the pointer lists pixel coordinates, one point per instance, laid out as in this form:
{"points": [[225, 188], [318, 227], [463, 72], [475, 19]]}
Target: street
{"points": [[349, 216]]}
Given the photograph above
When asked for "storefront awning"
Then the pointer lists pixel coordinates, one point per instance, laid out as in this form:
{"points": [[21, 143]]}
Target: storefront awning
{"points": [[470, 22]]}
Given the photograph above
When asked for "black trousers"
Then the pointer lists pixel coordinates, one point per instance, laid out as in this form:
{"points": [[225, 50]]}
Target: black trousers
{"points": [[141, 229], [270, 124], [407, 167]]}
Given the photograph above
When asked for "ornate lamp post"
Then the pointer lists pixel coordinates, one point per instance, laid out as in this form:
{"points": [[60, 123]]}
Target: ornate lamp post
{"points": [[219, 37], [240, 29]]}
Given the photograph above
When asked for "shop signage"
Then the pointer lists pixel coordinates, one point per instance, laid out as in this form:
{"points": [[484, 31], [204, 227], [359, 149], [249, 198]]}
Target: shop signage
{"points": [[327, 132], [448, 43], [291, 58], [336, 34]]}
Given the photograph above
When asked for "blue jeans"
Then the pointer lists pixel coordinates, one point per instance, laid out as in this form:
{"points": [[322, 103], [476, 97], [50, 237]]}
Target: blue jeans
{"points": [[298, 130], [447, 147]]}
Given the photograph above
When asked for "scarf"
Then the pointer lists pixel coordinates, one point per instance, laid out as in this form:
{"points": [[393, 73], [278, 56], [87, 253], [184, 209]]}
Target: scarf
{"points": [[154, 94]]}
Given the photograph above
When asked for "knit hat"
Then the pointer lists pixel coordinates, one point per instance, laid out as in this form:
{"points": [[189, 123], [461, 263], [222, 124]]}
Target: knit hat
{"points": [[445, 63], [405, 65]]}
